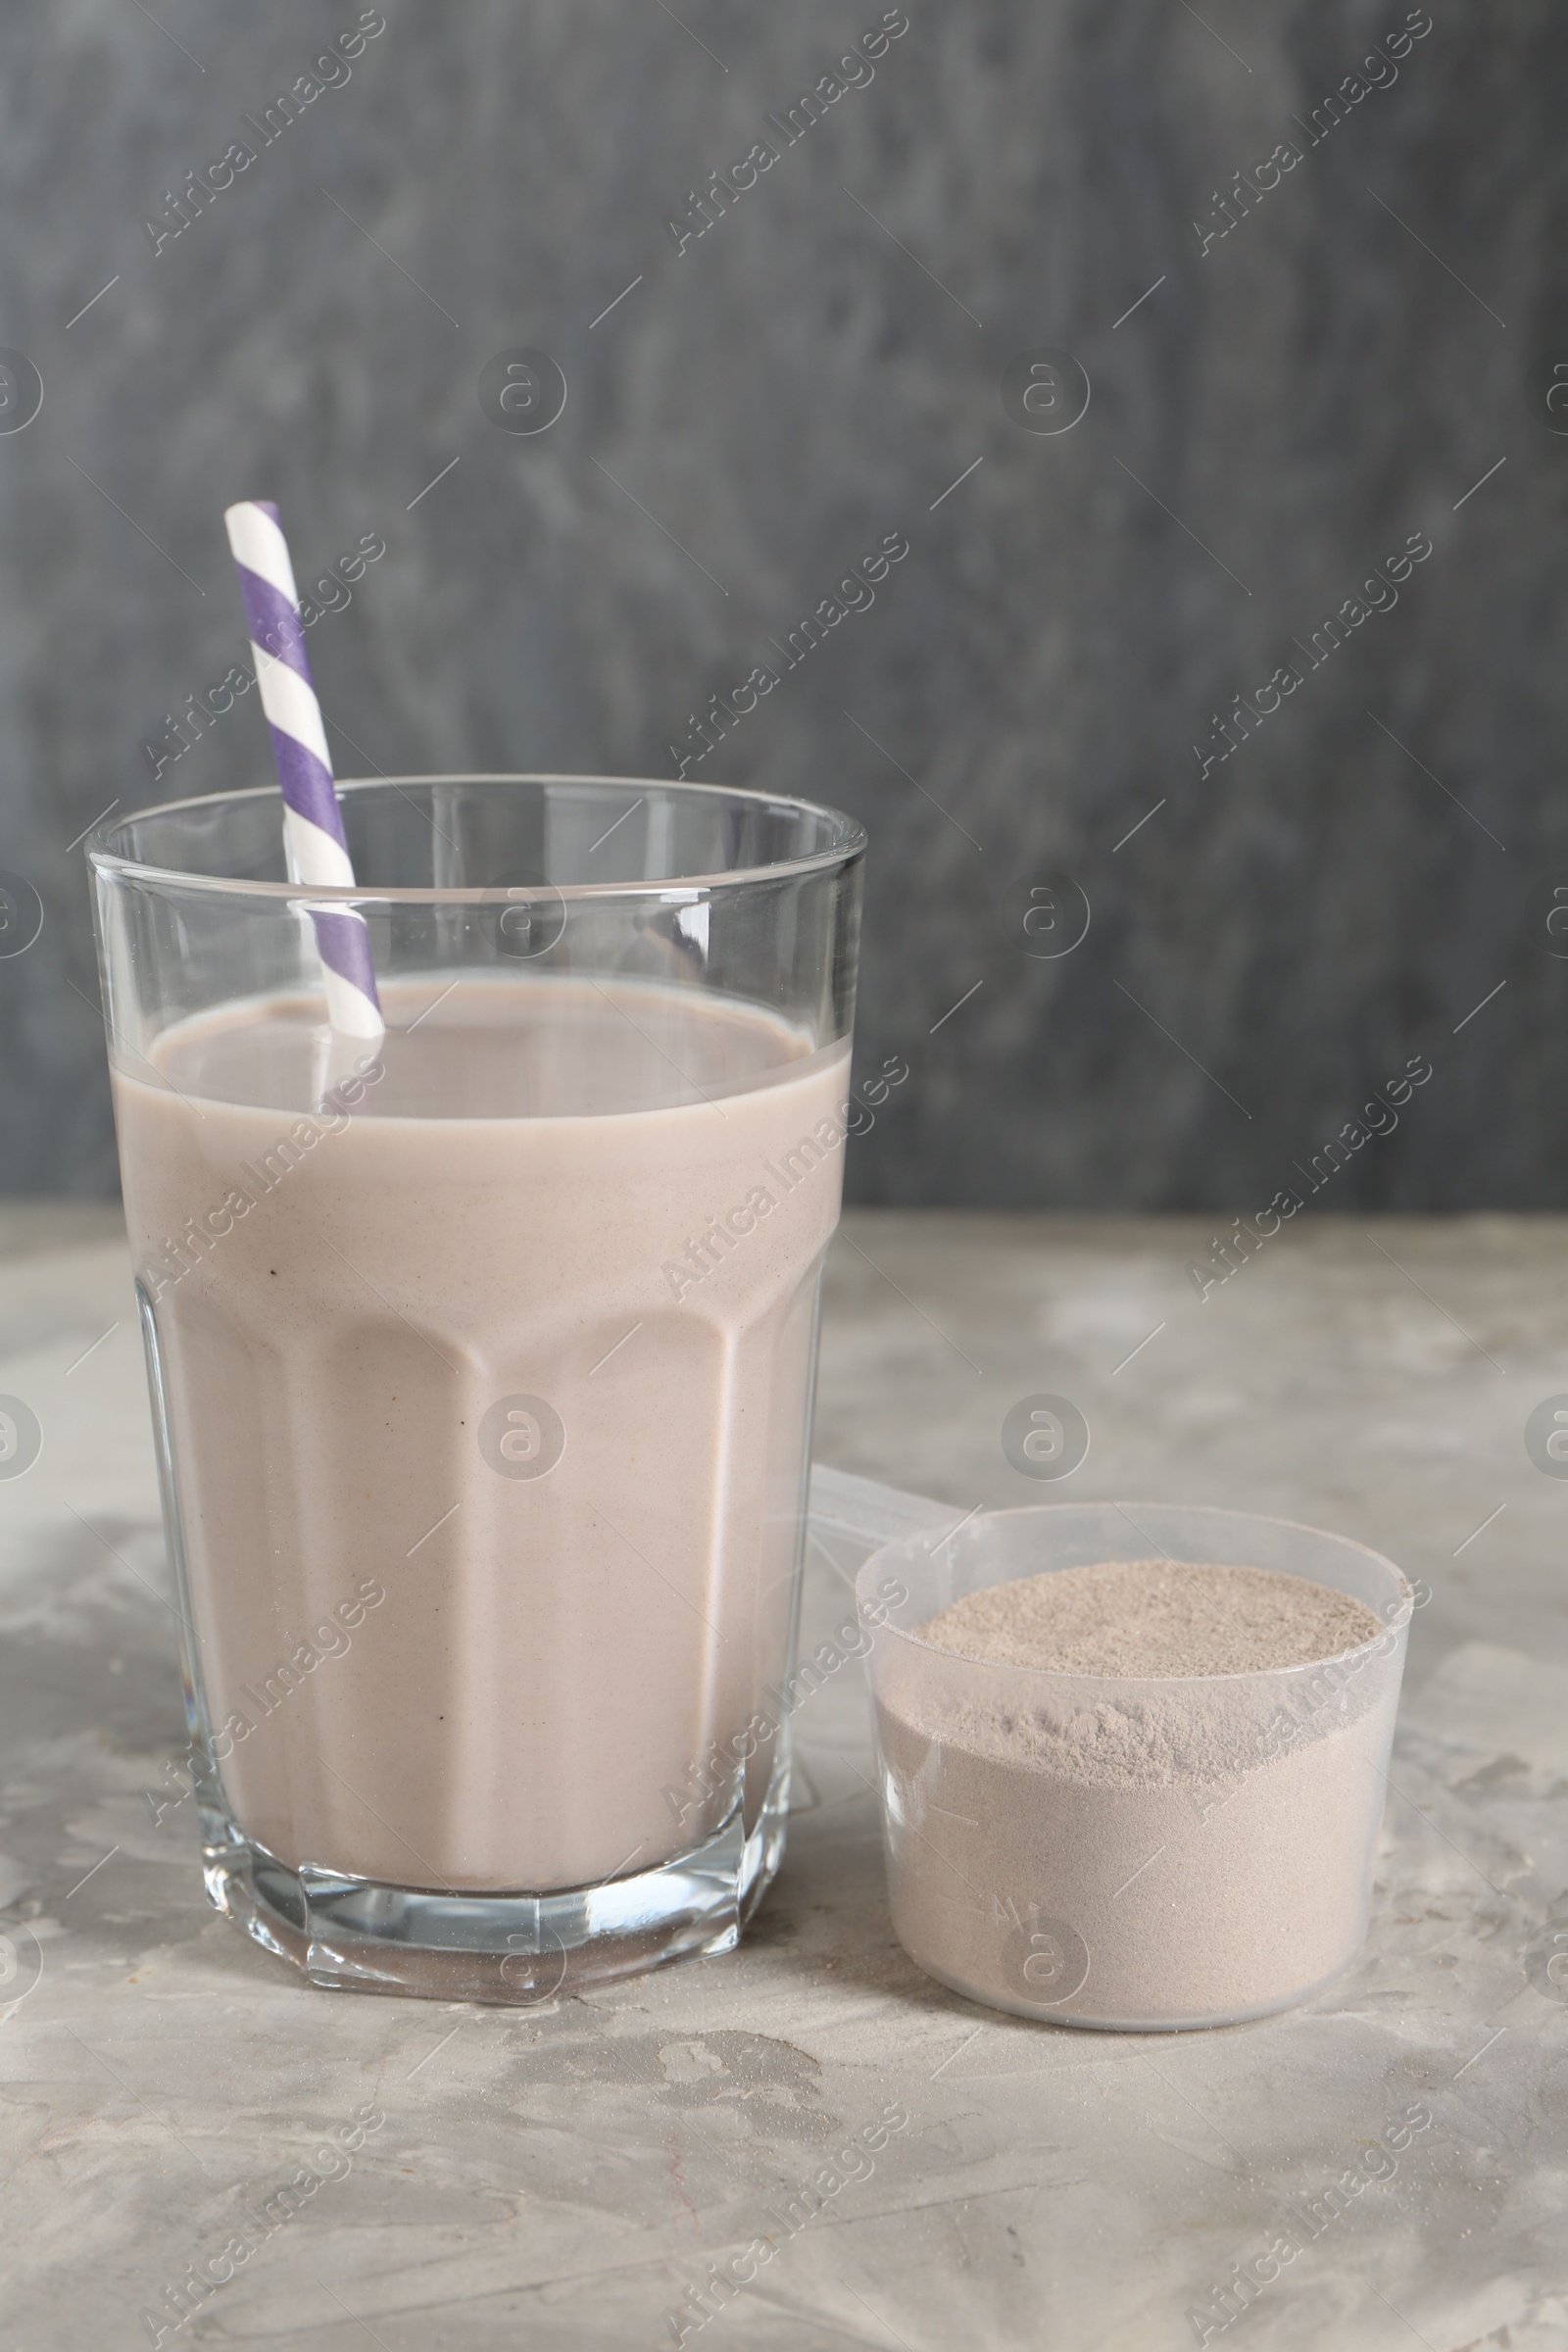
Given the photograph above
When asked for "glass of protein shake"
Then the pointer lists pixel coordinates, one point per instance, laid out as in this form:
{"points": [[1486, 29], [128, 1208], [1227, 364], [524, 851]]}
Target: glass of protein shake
{"points": [[481, 1352]]}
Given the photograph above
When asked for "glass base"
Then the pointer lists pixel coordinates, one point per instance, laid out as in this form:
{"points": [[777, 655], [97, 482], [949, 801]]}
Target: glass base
{"points": [[354, 1935]]}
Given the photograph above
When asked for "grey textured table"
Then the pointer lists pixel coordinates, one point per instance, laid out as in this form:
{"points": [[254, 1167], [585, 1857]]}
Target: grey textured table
{"points": [[570, 2175]]}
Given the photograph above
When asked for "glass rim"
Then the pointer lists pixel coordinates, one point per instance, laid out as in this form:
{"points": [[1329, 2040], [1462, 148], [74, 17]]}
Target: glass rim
{"points": [[886, 1555], [850, 842]]}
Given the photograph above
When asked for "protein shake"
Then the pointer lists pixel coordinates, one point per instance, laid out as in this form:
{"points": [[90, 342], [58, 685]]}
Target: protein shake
{"points": [[487, 1378]]}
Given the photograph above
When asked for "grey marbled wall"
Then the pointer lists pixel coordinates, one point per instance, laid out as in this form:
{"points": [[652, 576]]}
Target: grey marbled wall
{"points": [[1273, 411]]}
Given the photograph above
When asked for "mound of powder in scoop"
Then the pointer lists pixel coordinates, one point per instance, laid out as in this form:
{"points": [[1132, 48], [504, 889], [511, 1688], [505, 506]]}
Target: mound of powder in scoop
{"points": [[1154, 1617], [1138, 1851]]}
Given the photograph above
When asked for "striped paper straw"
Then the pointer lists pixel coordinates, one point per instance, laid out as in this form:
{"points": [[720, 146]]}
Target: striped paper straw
{"points": [[313, 822]]}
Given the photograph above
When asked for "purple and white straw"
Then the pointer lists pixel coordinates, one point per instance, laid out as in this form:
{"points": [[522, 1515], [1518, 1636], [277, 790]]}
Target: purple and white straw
{"points": [[314, 845]]}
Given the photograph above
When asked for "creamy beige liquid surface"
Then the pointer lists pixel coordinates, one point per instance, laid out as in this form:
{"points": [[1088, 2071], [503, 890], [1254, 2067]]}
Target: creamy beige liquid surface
{"points": [[441, 1650]]}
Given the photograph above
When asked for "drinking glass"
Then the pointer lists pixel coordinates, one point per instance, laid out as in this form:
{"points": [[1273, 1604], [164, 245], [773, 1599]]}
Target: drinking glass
{"points": [[481, 1357]]}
